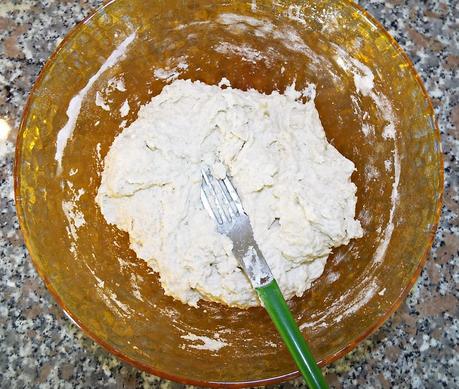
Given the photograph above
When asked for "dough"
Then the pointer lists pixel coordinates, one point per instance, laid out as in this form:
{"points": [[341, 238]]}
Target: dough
{"points": [[294, 185]]}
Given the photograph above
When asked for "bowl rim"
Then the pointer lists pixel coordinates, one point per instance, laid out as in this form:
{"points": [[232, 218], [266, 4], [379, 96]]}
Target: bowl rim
{"points": [[233, 384]]}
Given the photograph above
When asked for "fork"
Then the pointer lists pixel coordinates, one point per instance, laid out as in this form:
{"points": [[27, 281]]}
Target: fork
{"points": [[223, 204]]}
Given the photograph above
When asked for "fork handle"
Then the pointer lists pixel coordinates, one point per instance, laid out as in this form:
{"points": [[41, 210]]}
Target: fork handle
{"points": [[278, 310]]}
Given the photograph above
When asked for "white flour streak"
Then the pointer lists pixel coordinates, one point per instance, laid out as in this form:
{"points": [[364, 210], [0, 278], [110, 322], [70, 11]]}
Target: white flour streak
{"points": [[364, 84], [288, 36], [364, 81], [123, 264], [332, 277], [385, 108], [112, 302], [362, 299], [182, 26], [98, 155], [120, 85], [124, 110], [389, 131], [368, 129], [229, 18], [363, 76], [387, 164], [262, 27], [371, 172], [100, 102], [294, 12], [171, 73], [168, 75], [74, 108], [135, 287], [337, 311], [381, 249], [204, 342], [246, 52], [75, 218], [109, 297]]}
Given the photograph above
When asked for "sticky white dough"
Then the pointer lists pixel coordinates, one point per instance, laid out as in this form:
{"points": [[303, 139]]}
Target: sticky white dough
{"points": [[294, 185]]}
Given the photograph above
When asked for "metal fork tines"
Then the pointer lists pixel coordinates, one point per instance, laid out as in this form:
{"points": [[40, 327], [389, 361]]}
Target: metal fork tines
{"points": [[220, 198], [222, 202]]}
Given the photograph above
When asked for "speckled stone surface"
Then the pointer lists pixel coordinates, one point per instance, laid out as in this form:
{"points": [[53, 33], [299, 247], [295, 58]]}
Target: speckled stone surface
{"points": [[417, 347]]}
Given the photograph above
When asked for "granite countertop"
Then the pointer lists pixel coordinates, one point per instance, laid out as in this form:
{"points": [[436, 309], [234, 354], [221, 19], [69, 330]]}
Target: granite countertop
{"points": [[417, 347]]}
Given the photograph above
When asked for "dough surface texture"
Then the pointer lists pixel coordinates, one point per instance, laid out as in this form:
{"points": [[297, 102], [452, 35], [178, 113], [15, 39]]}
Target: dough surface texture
{"points": [[294, 185]]}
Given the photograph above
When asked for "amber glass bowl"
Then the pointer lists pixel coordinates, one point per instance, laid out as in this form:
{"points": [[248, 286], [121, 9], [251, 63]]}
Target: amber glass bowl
{"points": [[113, 296]]}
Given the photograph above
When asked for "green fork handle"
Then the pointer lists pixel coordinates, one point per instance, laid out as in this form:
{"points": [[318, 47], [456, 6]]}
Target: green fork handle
{"points": [[278, 310]]}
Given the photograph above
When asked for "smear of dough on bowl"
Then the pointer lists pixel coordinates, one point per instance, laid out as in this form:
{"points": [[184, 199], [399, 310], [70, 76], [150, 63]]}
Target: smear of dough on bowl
{"points": [[294, 185]]}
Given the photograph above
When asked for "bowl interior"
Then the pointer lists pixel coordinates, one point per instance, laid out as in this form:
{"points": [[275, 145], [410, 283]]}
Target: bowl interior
{"points": [[265, 45]]}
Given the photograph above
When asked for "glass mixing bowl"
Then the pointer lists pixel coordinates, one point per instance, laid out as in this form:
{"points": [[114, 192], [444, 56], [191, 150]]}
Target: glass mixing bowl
{"points": [[389, 133]]}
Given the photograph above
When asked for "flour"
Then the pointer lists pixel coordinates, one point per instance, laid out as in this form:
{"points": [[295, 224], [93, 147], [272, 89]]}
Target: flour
{"points": [[168, 75], [364, 84], [74, 108], [294, 185], [387, 165], [244, 51], [75, 218], [124, 110], [204, 342], [100, 102], [171, 72], [364, 81], [236, 23], [294, 12]]}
